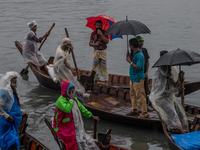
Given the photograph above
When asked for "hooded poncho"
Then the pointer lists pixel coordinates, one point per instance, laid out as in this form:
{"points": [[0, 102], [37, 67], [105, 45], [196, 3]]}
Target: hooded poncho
{"points": [[9, 107], [68, 123], [164, 100]]}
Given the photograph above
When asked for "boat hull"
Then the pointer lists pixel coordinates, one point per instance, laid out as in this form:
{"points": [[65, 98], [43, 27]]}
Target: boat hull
{"points": [[61, 144]]}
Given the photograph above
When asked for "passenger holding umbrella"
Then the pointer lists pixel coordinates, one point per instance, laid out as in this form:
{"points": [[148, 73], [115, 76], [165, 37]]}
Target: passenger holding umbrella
{"points": [[137, 76], [133, 27], [165, 85], [99, 42], [99, 24]]}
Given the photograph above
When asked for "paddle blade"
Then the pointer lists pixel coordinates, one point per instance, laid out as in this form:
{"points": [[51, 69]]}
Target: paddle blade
{"points": [[24, 71]]}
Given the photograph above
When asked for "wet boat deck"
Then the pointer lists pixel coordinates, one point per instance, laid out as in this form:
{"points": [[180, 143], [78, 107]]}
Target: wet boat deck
{"points": [[114, 105]]}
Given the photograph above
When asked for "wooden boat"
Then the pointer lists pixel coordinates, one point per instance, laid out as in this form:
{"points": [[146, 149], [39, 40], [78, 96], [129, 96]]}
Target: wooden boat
{"points": [[118, 81], [100, 137], [31, 143], [27, 141], [171, 143], [113, 102]]}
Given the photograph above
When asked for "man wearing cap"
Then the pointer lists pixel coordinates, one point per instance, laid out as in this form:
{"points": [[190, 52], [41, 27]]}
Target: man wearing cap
{"points": [[99, 42], [61, 65], [146, 67], [30, 50]]}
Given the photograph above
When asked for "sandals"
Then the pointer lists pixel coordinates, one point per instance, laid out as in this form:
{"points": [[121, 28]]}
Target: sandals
{"points": [[145, 115], [132, 112], [139, 110], [149, 108]]}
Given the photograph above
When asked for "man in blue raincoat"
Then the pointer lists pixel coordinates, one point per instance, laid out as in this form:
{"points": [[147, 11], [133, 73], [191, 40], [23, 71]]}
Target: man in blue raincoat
{"points": [[10, 112]]}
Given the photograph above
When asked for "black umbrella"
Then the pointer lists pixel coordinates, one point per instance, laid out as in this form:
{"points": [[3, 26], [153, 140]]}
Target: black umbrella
{"points": [[127, 27], [178, 57]]}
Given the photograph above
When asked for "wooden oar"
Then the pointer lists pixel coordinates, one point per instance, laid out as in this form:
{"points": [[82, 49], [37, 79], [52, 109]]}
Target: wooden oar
{"points": [[46, 37], [73, 56], [95, 129], [25, 71], [183, 91]]}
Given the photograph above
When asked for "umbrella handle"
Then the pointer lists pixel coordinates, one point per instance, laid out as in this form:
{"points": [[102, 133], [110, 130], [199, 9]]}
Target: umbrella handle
{"points": [[127, 45]]}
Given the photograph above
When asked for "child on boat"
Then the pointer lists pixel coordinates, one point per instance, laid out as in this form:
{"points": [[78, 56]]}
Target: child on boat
{"points": [[50, 69]]}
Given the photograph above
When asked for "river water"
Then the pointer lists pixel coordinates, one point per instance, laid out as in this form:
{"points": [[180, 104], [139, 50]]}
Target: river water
{"points": [[173, 24]]}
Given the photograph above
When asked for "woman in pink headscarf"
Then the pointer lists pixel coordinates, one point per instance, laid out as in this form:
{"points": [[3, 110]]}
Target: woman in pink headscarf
{"points": [[30, 50]]}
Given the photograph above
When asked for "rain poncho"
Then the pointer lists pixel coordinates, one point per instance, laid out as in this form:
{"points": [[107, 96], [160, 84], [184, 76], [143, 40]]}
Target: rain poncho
{"points": [[68, 123], [164, 100], [30, 50], [8, 101], [62, 72], [51, 72]]}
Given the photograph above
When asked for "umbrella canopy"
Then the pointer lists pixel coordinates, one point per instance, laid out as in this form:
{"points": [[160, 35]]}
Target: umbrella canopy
{"points": [[106, 23], [178, 57], [127, 27]]}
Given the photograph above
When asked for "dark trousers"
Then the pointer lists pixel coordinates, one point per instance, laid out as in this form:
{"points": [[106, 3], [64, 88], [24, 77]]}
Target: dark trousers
{"points": [[13, 147], [146, 88]]}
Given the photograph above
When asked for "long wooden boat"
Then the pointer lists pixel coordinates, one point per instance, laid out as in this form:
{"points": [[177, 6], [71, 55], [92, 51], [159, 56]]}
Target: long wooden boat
{"points": [[101, 146], [114, 80], [27, 141], [112, 102]]}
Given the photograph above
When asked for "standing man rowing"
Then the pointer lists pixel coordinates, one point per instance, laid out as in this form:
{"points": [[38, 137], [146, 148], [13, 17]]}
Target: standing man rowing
{"points": [[30, 50], [99, 41]]}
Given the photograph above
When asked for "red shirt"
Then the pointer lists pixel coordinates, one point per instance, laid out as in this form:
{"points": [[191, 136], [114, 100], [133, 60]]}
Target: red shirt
{"points": [[96, 37]]}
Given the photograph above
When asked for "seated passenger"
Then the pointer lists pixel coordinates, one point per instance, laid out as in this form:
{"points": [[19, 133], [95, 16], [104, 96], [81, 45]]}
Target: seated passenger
{"points": [[62, 68], [50, 69], [164, 87], [68, 123], [30, 50]]}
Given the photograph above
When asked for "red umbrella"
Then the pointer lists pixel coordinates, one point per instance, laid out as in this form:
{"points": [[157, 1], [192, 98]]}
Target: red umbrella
{"points": [[106, 22]]}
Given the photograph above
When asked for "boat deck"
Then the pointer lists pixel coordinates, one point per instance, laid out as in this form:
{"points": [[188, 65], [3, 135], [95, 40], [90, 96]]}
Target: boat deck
{"points": [[114, 105], [113, 84]]}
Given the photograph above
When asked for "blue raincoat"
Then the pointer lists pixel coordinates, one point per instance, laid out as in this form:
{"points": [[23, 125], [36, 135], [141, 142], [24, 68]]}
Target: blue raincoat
{"points": [[9, 132]]}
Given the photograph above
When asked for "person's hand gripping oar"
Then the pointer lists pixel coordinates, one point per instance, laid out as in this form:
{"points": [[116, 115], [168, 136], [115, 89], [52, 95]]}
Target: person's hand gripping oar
{"points": [[25, 71]]}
